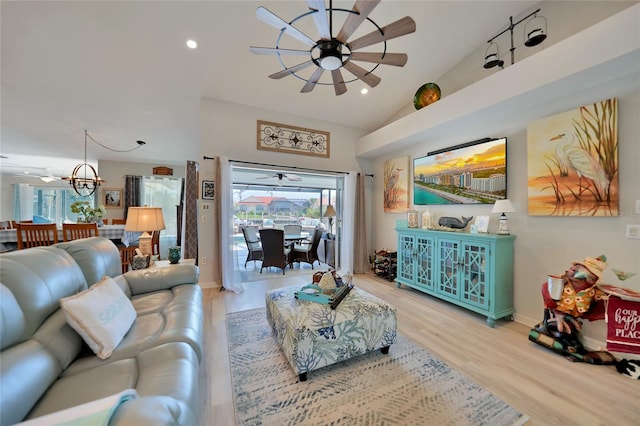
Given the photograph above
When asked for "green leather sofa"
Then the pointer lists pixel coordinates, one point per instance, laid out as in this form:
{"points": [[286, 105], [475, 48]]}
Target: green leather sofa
{"points": [[45, 366]]}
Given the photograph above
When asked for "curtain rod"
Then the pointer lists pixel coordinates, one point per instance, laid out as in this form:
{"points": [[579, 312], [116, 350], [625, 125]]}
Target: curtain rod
{"points": [[289, 167]]}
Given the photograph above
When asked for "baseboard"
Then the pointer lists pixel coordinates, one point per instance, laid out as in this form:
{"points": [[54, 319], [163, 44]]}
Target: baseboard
{"points": [[209, 284]]}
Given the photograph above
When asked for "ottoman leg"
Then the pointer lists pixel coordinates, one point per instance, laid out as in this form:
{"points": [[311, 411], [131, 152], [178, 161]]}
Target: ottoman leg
{"points": [[385, 350], [302, 377]]}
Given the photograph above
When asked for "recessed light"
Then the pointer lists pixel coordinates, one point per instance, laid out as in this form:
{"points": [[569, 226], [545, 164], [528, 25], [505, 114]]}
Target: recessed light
{"points": [[192, 44], [364, 91]]}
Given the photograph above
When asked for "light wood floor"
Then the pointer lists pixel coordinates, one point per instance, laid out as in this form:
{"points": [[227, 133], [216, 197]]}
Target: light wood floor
{"points": [[543, 385]]}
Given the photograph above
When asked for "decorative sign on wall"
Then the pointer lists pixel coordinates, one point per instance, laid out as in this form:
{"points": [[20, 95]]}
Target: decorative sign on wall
{"points": [[573, 162], [163, 171], [292, 139]]}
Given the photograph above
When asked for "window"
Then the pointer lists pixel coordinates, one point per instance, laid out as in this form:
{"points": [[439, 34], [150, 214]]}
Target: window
{"points": [[165, 193], [54, 204]]}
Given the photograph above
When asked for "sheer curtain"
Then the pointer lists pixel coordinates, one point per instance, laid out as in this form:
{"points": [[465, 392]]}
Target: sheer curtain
{"points": [[348, 224], [224, 226]]}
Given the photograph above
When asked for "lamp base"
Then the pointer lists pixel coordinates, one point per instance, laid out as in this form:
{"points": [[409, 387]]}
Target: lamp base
{"points": [[503, 228], [144, 243]]}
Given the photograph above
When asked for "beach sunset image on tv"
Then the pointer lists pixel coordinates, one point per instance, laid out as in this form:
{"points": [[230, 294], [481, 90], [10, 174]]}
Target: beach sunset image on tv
{"points": [[474, 173]]}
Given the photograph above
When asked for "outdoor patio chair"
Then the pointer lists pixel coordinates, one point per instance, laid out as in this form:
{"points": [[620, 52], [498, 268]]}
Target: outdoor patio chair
{"points": [[252, 240], [274, 251], [292, 229], [307, 251]]}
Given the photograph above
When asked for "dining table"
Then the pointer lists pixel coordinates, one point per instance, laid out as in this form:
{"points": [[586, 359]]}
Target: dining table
{"points": [[117, 233]]}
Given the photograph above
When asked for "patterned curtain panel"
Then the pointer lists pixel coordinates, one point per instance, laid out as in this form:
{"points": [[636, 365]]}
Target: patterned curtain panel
{"points": [[360, 251], [132, 192], [190, 213]]}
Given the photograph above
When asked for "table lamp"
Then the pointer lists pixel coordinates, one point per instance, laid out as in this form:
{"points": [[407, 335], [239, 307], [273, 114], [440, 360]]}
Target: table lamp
{"points": [[330, 213], [503, 206], [144, 219]]}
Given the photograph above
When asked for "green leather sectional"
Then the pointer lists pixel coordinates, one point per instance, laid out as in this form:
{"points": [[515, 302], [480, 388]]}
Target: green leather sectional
{"points": [[45, 366]]}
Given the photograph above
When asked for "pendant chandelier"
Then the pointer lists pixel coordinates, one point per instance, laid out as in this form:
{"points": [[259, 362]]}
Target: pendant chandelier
{"points": [[84, 179]]}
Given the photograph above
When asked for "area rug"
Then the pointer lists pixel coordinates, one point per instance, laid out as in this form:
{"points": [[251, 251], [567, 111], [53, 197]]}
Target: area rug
{"points": [[406, 387]]}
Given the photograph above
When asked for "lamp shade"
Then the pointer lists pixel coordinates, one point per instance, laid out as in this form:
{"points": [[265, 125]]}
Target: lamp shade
{"points": [[502, 206], [142, 219], [329, 211]]}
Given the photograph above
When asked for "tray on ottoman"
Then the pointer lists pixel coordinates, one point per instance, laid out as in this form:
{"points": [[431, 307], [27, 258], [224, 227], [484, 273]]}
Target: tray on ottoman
{"points": [[313, 335]]}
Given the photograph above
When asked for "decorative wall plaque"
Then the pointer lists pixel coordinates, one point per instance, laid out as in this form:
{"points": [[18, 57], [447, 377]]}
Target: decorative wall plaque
{"points": [[292, 139], [163, 171]]}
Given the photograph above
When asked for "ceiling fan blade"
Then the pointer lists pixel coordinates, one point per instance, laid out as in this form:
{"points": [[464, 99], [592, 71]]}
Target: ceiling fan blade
{"points": [[364, 75], [276, 51], [293, 178], [362, 8], [320, 18], [398, 28], [311, 83], [338, 82], [287, 71], [395, 59], [265, 15]]}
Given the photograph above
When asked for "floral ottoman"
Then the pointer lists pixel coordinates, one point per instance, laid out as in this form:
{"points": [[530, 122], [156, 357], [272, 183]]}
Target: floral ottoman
{"points": [[313, 335]]}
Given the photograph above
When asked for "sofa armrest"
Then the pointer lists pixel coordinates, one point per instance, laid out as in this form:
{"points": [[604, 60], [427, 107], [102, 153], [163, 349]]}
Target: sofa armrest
{"points": [[153, 411], [161, 278]]}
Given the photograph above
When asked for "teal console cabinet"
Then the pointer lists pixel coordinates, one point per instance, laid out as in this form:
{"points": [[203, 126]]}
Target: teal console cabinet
{"points": [[474, 271]]}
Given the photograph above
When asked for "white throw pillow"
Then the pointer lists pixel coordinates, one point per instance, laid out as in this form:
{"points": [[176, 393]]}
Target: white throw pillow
{"points": [[102, 315]]}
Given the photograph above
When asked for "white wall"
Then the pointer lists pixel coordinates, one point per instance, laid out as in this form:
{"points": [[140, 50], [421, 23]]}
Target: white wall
{"points": [[229, 130], [114, 173], [548, 245]]}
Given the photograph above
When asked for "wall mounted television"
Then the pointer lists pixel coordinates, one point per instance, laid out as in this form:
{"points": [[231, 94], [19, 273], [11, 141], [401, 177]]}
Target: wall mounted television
{"points": [[470, 173]]}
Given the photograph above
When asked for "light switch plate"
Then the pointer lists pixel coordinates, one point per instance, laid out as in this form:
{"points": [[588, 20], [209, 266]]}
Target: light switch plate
{"points": [[637, 206], [633, 231]]}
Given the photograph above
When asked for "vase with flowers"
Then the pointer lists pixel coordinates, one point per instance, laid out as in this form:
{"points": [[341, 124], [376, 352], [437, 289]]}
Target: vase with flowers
{"points": [[86, 213]]}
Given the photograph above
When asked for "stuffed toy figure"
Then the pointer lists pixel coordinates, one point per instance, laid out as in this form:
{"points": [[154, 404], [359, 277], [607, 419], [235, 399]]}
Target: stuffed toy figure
{"points": [[580, 299]]}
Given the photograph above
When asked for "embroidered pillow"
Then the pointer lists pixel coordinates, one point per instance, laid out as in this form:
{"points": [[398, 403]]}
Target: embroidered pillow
{"points": [[102, 315]]}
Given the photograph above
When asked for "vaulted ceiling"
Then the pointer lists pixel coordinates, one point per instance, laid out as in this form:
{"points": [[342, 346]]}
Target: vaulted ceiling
{"points": [[122, 71]]}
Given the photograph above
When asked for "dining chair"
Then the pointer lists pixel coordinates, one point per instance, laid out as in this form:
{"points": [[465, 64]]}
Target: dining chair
{"points": [[274, 251], [307, 251], [252, 241], [118, 221], [126, 256], [292, 229], [36, 234], [77, 231]]}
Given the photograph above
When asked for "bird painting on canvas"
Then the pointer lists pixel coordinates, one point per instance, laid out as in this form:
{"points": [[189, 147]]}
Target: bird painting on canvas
{"points": [[572, 160], [578, 159]]}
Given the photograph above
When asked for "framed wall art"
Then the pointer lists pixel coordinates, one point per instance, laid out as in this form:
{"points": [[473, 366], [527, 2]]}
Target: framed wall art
{"points": [[396, 185], [292, 139], [208, 190], [112, 198], [572, 160]]}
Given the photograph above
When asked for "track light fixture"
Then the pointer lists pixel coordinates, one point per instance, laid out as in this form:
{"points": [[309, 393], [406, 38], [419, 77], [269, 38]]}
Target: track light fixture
{"points": [[535, 32]]}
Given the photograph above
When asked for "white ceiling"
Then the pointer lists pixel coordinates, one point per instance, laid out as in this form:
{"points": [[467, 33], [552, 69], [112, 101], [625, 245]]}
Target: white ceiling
{"points": [[121, 70]]}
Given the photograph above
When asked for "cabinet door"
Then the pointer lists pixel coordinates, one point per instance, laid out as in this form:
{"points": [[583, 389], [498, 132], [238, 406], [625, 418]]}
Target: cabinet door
{"points": [[424, 262], [406, 266], [474, 275], [448, 268]]}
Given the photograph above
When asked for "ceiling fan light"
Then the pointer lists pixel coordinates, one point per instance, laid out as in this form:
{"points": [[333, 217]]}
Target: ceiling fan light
{"points": [[330, 63]]}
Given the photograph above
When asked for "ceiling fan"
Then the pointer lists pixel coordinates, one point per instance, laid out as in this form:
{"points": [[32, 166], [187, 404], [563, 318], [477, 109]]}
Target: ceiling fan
{"points": [[280, 176], [331, 53]]}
